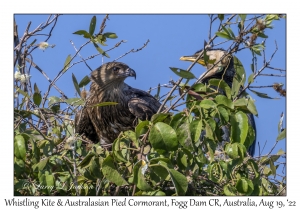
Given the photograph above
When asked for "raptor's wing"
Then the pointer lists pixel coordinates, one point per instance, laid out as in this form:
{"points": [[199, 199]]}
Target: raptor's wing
{"points": [[141, 104], [83, 125]]}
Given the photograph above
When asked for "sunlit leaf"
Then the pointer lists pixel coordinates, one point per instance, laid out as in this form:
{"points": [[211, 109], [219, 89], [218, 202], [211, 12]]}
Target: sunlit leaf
{"points": [[84, 33], [163, 138], [85, 80], [223, 35], [67, 63], [239, 127], [37, 98], [92, 25], [220, 99], [111, 173], [110, 35], [20, 147], [281, 136], [139, 178], [179, 181], [105, 104], [183, 73], [75, 84], [262, 95], [244, 186]]}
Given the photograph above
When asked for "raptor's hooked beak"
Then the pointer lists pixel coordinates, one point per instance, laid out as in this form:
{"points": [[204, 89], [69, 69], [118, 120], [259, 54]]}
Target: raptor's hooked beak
{"points": [[130, 73], [192, 58]]}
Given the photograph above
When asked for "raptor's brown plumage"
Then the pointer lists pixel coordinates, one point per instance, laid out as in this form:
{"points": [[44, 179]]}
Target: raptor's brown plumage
{"points": [[104, 123]]}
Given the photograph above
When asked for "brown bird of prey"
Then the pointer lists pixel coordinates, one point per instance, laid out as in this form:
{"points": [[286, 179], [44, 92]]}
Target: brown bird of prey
{"points": [[104, 123], [220, 70]]}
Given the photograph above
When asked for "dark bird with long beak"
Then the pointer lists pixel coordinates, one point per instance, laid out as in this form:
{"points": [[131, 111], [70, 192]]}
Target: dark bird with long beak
{"points": [[221, 66], [104, 123]]}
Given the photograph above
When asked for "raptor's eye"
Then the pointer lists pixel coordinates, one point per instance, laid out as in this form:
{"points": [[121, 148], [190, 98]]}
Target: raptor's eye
{"points": [[115, 69]]}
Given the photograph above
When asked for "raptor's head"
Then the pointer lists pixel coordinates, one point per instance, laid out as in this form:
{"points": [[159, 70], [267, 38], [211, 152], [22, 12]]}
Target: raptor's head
{"points": [[112, 73]]}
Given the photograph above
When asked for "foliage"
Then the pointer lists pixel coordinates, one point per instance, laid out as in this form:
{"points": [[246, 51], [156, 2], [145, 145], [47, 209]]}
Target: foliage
{"points": [[178, 153]]}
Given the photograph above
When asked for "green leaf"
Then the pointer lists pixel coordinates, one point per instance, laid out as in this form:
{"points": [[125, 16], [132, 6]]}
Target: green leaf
{"points": [[223, 35], [183, 73], [160, 117], [250, 78], [235, 150], [195, 128], [119, 149], [179, 181], [163, 138], [221, 17], [220, 99], [84, 33], [230, 190], [231, 33], [182, 160], [251, 107], [22, 92], [95, 168], [244, 186], [92, 25], [37, 99], [85, 80], [222, 84], [49, 181], [67, 63], [253, 167], [250, 137], [36, 89], [240, 71], [101, 39], [53, 100], [224, 113], [41, 165], [100, 50], [177, 120], [272, 167], [207, 104], [262, 95], [20, 147], [281, 136], [159, 170], [74, 101], [105, 104], [139, 178], [86, 160], [141, 128], [239, 127], [252, 67], [243, 17], [262, 35], [111, 173], [215, 172], [75, 84], [184, 136], [110, 35]]}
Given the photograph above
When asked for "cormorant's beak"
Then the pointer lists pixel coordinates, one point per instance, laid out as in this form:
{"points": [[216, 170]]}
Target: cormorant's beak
{"points": [[130, 73], [192, 58]]}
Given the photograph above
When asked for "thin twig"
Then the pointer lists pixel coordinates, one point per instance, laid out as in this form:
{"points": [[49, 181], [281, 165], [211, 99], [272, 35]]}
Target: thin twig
{"points": [[132, 51], [81, 56], [272, 75]]}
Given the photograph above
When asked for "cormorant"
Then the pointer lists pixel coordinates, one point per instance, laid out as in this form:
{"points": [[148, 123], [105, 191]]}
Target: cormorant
{"points": [[226, 64]]}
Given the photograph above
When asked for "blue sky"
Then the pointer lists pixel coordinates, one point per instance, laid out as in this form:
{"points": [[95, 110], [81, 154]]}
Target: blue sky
{"points": [[171, 36]]}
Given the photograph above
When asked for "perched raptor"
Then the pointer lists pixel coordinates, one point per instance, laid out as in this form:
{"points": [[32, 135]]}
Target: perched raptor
{"points": [[104, 123], [217, 72]]}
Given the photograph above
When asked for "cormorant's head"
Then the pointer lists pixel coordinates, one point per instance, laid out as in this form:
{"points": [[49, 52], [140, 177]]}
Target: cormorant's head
{"points": [[112, 72], [217, 61]]}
